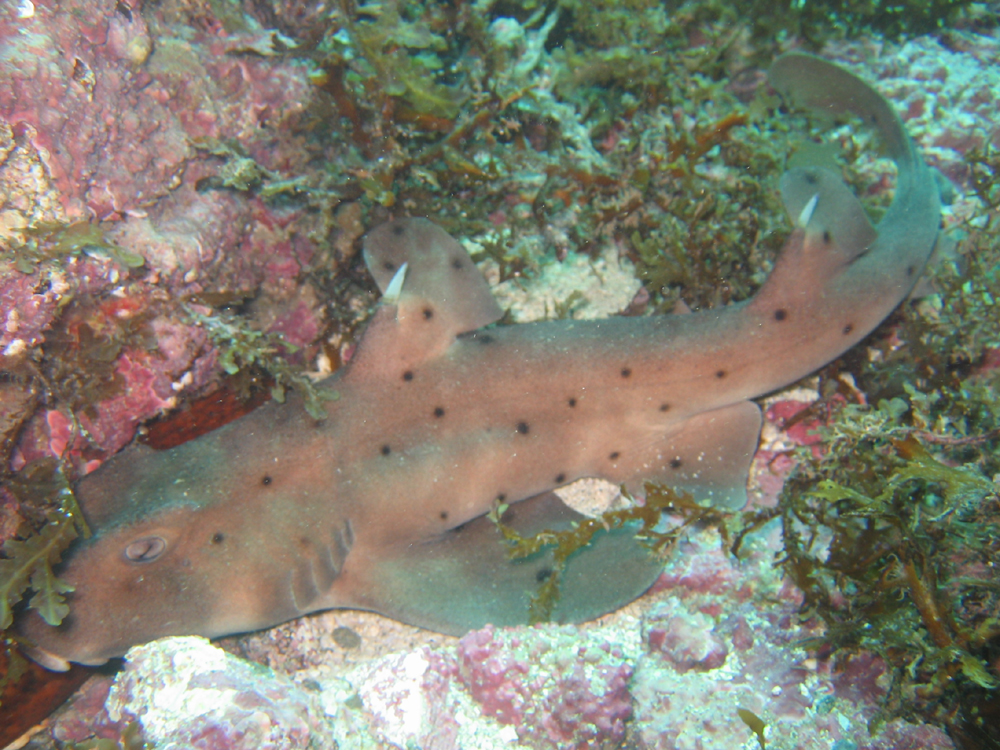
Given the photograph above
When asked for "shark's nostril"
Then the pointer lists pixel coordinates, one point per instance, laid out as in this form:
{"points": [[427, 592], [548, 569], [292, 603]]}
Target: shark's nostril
{"points": [[145, 549]]}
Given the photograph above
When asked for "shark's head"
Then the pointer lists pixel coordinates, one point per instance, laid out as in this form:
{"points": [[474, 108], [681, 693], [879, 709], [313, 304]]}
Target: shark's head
{"points": [[136, 583], [196, 540]]}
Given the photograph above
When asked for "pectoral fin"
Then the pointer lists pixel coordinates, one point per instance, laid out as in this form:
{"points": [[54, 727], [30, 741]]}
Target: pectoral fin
{"points": [[465, 579], [708, 456]]}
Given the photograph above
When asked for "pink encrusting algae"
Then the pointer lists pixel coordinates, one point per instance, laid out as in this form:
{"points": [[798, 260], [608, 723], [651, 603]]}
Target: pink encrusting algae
{"points": [[557, 689], [101, 119]]}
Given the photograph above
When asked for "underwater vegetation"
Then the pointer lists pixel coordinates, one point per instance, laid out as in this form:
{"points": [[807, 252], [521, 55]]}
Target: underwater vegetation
{"points": [[891, 531], [892, 19], [896, 561]]}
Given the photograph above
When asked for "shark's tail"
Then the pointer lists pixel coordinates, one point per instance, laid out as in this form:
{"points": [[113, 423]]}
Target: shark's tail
{"points": [[813, 83], [838, 276], [816, 84]]}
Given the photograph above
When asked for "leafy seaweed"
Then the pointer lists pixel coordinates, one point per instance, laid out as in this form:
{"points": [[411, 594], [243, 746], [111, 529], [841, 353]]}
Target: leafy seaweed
{"points": [[26, 561], [755, 723], [242, 348], [884, 540], [984, 173], [28, 564], [403, 57], [53, 241]]}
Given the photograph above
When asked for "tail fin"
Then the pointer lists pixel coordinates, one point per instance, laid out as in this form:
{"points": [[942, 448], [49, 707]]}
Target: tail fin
{"points": [[813, 83]]}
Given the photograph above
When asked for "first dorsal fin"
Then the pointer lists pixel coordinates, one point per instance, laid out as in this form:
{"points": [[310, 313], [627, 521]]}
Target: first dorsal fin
{"points": [[433, 293]]}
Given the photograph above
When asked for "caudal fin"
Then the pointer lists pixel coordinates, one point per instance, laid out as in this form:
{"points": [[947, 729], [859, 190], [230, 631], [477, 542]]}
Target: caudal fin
{"points": [[813, 83]]}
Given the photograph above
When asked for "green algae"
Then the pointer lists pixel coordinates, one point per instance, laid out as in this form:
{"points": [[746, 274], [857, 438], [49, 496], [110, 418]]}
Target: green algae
{"points": [[617, 70], [238, 171], [27, 563], [891, 19], [984, 173], [884, 540], [247, 350], [131, 738], [27, 559], [56, 242], [755, 723]]}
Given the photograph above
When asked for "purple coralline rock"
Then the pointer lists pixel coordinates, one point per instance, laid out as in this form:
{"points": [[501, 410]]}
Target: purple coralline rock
{"points": [[75, 90], [108, 107], [722, 635], [28, 309], [112, 118], [685, 639], [149, 383], [104, 105], [546, 687], [559, 687], [185, 693]]}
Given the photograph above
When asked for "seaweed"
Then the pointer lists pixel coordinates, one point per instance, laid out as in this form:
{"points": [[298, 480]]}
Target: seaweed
{"points": [[565, 308], [891, 548], [755, 724], [243, 349], [387, 58], [130, 739], [984, 173], [818, 21], [851, 18], [56, 241], [27, 562], [628, 122]]}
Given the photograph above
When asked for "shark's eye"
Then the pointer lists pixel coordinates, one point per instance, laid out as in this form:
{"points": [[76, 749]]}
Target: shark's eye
{"points": [[145, 549]]}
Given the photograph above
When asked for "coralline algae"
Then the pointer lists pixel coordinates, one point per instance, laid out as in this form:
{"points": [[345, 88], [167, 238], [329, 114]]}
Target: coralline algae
{"points": [[101, 103], [557, 686]]}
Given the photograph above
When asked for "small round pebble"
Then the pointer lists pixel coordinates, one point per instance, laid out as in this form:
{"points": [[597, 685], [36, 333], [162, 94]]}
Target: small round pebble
{"points": [[346, 637]]}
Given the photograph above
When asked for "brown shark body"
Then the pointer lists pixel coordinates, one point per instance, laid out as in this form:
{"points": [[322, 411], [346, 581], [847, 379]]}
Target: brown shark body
{"points": [[381, 505]]}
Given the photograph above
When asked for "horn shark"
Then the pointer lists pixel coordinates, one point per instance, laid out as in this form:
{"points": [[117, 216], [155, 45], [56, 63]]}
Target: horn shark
{"points": [[381, 506]]}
